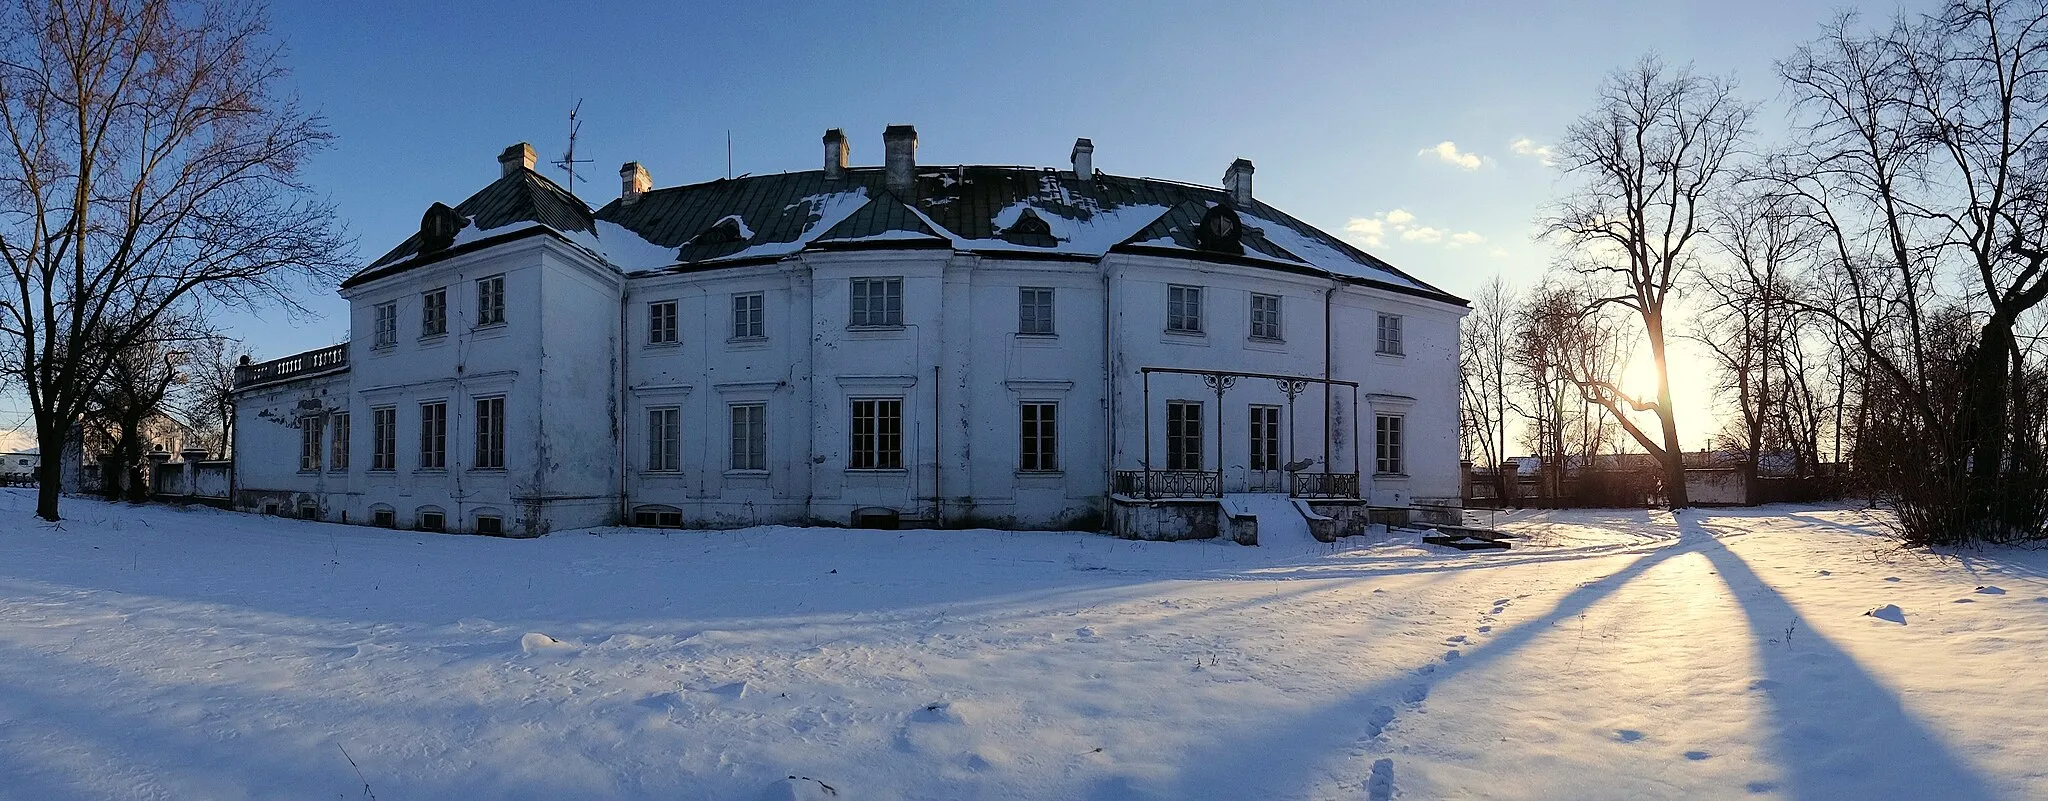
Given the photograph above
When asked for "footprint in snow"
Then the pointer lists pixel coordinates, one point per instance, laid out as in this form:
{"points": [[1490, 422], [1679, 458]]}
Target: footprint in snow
{"points": [[1085, 632], [1485, 629], [1377, 720], [1452, 655], [1416, 694], [1965, 600], [1697, 756], [1380, 787], [1891, 578], [1627, 735], [1890, 612], [1501, 601], [1760, 787], [1455, 638], [1823, 572]]}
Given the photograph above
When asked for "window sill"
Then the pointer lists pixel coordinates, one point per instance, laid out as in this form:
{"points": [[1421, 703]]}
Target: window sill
{"points": [[487, 470], [1045, 474], [747, 341], [1185, 338], [382, 471], [430, 471], [1047, 335], [311, 471], [663, 345], [752, 474], [1391, 354], [1390, 476], [429, 340], [879, 471], [379, 350]]}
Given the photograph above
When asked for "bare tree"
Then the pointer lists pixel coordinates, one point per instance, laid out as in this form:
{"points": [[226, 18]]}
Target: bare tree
{"points": [[1557, 350], [1927, 164], [1748, 323], [125, 403], [206, 399], [1484, 346], [1649, 157], [151, 159]]}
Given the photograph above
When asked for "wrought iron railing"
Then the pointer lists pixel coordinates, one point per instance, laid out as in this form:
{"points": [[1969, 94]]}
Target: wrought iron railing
{"points": [[1325, 485], [1167, 484], [296, 364]]}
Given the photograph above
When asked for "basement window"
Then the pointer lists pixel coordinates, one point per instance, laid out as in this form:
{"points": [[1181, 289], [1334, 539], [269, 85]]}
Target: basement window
{"points": [[309, 511], [658, 517], [270, 509], [383, 518], [433, 521], [490, 525]]}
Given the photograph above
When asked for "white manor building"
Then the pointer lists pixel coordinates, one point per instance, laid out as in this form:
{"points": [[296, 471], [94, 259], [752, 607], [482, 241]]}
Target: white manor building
{"points": [[960, 345]]}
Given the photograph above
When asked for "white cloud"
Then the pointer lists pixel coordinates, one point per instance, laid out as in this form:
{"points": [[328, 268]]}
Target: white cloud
{"points": [[1374, 231], [1448, 152], [1524, 146]]}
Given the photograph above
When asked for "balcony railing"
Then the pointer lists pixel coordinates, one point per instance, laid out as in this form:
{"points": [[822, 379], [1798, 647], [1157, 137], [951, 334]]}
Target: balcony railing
{"points": [[1167, 484], [312, 361], [1325, 485]]}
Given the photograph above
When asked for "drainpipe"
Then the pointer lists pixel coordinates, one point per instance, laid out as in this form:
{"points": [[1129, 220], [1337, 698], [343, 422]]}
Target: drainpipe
{"points": [[938, 456], [619, 404], [1329, 298], [1109, 370]]}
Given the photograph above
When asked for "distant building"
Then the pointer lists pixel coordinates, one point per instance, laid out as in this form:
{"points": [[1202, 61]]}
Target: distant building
{"points": [[16, 463], [1008, 346]]}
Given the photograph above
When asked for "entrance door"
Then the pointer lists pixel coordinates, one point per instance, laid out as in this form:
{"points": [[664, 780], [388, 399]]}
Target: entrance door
{"points": [[1265, 474]]}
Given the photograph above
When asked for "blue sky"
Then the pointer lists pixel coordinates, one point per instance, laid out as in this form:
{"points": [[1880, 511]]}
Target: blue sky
{"points": [[1340, 105]]}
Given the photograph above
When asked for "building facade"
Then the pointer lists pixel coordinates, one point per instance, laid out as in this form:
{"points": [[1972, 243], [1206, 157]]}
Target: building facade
{"points": [[958, 345]]}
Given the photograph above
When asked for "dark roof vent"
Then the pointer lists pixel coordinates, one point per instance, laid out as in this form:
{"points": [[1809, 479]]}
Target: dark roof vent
{"points": [[723, 232], [1030, 229], [1221, 231], [439, 226]]}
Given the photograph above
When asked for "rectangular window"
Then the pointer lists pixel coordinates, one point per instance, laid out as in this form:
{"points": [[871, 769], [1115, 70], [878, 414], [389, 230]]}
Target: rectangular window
{"points": [[1038, 446], [1034, 310], [1265, 316], [490, 433], [337, 449], [747, 319], [1265, 437], [309, 510], [661, 322], [1390, 334], [665, 439], [749, 436], [1386, 437], [432, 521], [490, 300], [434, 312], [1183, 435], [387, 324], [1184, 309], [384, 438], [310, 435], [384, 518], [434, 436], [877, 434], [877, 303], [490, 525]]}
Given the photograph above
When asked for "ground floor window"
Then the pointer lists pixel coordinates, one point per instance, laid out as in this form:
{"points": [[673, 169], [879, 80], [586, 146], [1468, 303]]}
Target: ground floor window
{"points": [[337, 451], [749, 436], [433, 521], [309, 443], [1038, 447], [1183, 435], [877, 434], [658, 517], [1265, 437], [433, 435], [384, 438], [664, 439], [1387, 444], [491, 525], [490, 433]]}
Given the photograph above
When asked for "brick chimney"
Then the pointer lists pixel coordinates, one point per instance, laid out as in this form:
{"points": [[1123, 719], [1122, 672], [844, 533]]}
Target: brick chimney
{"points": [[1084, 159], [1238, 182], [515, 158], [899, 154], [835, 154], [633, 182]]}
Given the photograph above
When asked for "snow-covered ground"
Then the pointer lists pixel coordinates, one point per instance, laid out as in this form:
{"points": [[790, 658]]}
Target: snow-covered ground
{"points": [[148, 652]]}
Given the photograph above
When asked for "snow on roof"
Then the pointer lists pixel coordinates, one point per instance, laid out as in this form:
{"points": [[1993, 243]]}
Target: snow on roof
{"points": [[1323, 255]]}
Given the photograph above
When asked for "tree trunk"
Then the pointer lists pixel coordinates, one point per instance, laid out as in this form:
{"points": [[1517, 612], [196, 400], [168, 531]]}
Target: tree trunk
{"points": [[1674, 456], [50, 472]]}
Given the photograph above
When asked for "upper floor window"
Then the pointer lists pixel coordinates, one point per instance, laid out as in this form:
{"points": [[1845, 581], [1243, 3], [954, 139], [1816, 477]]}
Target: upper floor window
{"points": [[490, 433], [490, 300], [1034, 310], [1265, 316], [877, 303], [747, 319], [1184, 309], [1390, 335], [387, 324], [661, 322], [434, 312]]}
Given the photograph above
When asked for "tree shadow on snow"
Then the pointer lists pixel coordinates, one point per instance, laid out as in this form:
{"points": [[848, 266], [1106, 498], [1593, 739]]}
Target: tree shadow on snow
{"points": [[1838, 732]]}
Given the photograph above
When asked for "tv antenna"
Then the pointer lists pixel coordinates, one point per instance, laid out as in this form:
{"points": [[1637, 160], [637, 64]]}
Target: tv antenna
{"points": [[568, 161]]}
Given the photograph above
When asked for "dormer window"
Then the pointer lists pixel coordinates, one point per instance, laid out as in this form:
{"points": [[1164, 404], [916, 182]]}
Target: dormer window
{"points": [[1221, 231], [725, 231], [1029, 229]]}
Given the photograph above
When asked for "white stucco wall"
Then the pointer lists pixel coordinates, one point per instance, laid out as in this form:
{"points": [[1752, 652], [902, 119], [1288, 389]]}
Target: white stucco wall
{"points": [[579, 376]]}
